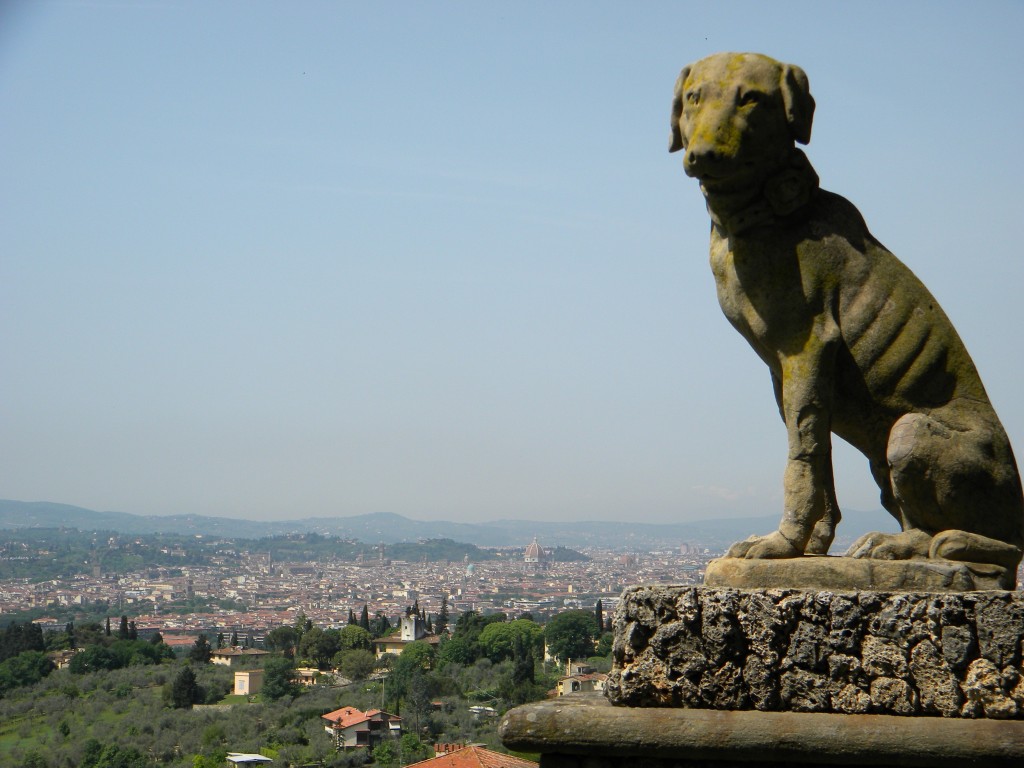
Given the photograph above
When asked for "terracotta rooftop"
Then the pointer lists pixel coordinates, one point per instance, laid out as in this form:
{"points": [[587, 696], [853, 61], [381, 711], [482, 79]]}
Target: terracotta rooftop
{"points": [[346, 716], [474, 757]]}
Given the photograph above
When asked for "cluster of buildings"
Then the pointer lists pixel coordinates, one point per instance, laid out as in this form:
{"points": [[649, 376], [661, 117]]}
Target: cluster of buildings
{"points": [[255, 594]]}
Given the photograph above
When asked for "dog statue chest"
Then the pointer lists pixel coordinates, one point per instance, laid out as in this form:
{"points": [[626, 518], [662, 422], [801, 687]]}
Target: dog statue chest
{"points": [[761, 292]]}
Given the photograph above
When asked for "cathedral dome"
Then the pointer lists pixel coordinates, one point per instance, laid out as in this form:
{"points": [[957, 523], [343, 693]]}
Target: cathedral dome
{"points": [[534, 554]]}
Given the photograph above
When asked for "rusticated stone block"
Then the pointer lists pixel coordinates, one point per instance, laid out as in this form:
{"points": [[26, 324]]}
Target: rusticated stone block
{"points": [[939, 654]]}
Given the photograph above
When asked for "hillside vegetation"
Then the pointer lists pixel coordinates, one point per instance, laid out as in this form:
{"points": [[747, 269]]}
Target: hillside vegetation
{"points": [[129, 703]]}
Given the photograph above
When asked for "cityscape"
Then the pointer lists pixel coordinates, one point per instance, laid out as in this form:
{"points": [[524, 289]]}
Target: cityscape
{"points": [[298, 649], [261, 594]]}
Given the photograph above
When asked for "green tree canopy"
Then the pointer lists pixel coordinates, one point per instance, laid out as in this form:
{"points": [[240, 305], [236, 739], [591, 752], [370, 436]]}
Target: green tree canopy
{"points": [[278, 678], [498, 639], [27, 668], [354, 637], [412, 750], [283, 639], [356, 664], [20, 637], [92, 659], [468, 628], [318, 646], [413, 662], [386, 754], [89, 633], [418, 653], [114, 756], [457, 650], [571, 635]]}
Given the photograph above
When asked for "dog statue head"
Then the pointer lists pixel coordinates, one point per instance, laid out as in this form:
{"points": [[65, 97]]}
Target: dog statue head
{"points": [[737, 115]]}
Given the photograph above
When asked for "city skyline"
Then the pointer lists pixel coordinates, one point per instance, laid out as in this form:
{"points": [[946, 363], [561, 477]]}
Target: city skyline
{"points": [[276, 262]]}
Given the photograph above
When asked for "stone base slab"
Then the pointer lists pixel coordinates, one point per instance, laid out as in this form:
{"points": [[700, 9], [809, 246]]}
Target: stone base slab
{"points": [[954, 655], [850, 574], [584, 731]]}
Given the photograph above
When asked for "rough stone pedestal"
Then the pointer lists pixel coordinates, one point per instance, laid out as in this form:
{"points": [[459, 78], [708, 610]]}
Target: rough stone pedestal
{"points": [[586, 731], [724, 678], [933, 654]]}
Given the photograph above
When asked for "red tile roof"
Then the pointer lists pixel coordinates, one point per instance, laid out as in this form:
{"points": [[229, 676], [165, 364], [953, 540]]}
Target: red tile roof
{"points": [[474, 757], [346, 716]]}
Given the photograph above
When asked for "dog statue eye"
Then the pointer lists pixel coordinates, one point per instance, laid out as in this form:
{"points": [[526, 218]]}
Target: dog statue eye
{"points": [[750, 97], [693, 98]]}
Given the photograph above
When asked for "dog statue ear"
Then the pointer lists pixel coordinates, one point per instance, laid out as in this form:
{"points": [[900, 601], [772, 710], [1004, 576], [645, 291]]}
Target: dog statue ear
{"points": [[676, 140], [796, 95]]}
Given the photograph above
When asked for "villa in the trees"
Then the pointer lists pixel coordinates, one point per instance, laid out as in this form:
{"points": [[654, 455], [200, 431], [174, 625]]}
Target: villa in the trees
{"points": [[235, 657], [350, 727]]}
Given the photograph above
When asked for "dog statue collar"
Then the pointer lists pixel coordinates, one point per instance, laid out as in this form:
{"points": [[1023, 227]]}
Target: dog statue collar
{"points": [[784, 194]]}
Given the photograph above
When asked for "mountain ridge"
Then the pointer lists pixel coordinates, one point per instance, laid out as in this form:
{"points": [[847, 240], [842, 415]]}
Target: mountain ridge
{"points": [[390, 528]]}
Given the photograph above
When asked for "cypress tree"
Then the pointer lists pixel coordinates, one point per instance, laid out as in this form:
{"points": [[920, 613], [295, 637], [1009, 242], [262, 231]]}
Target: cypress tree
{"points": [[522, 661], [364, 618], [200, 650], [441, 625], [184, 690], [599, 615]]}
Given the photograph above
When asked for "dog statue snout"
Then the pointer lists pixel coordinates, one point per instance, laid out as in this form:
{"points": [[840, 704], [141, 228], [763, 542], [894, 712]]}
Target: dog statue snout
{"points": [[704, 160], [696, 162]]}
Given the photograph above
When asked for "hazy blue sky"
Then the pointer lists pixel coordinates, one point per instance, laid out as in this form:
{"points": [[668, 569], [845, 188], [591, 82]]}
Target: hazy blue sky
{"points": [[272, 260]]}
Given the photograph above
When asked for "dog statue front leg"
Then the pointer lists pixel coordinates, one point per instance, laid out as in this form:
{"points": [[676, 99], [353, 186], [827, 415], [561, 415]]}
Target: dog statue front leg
{"points": [[806, 505], [810, 508]]}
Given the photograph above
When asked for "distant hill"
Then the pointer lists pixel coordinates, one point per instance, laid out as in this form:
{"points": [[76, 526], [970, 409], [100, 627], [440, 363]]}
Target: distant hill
{"points": [[391, 528]]}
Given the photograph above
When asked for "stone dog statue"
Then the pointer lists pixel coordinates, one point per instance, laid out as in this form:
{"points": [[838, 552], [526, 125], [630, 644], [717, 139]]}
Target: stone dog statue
{"points": [[855, 343]]}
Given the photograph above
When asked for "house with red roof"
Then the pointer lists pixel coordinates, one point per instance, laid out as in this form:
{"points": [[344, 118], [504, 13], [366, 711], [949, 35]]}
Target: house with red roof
{"points": [[474, 757], [592, 681], [351, 728]]}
